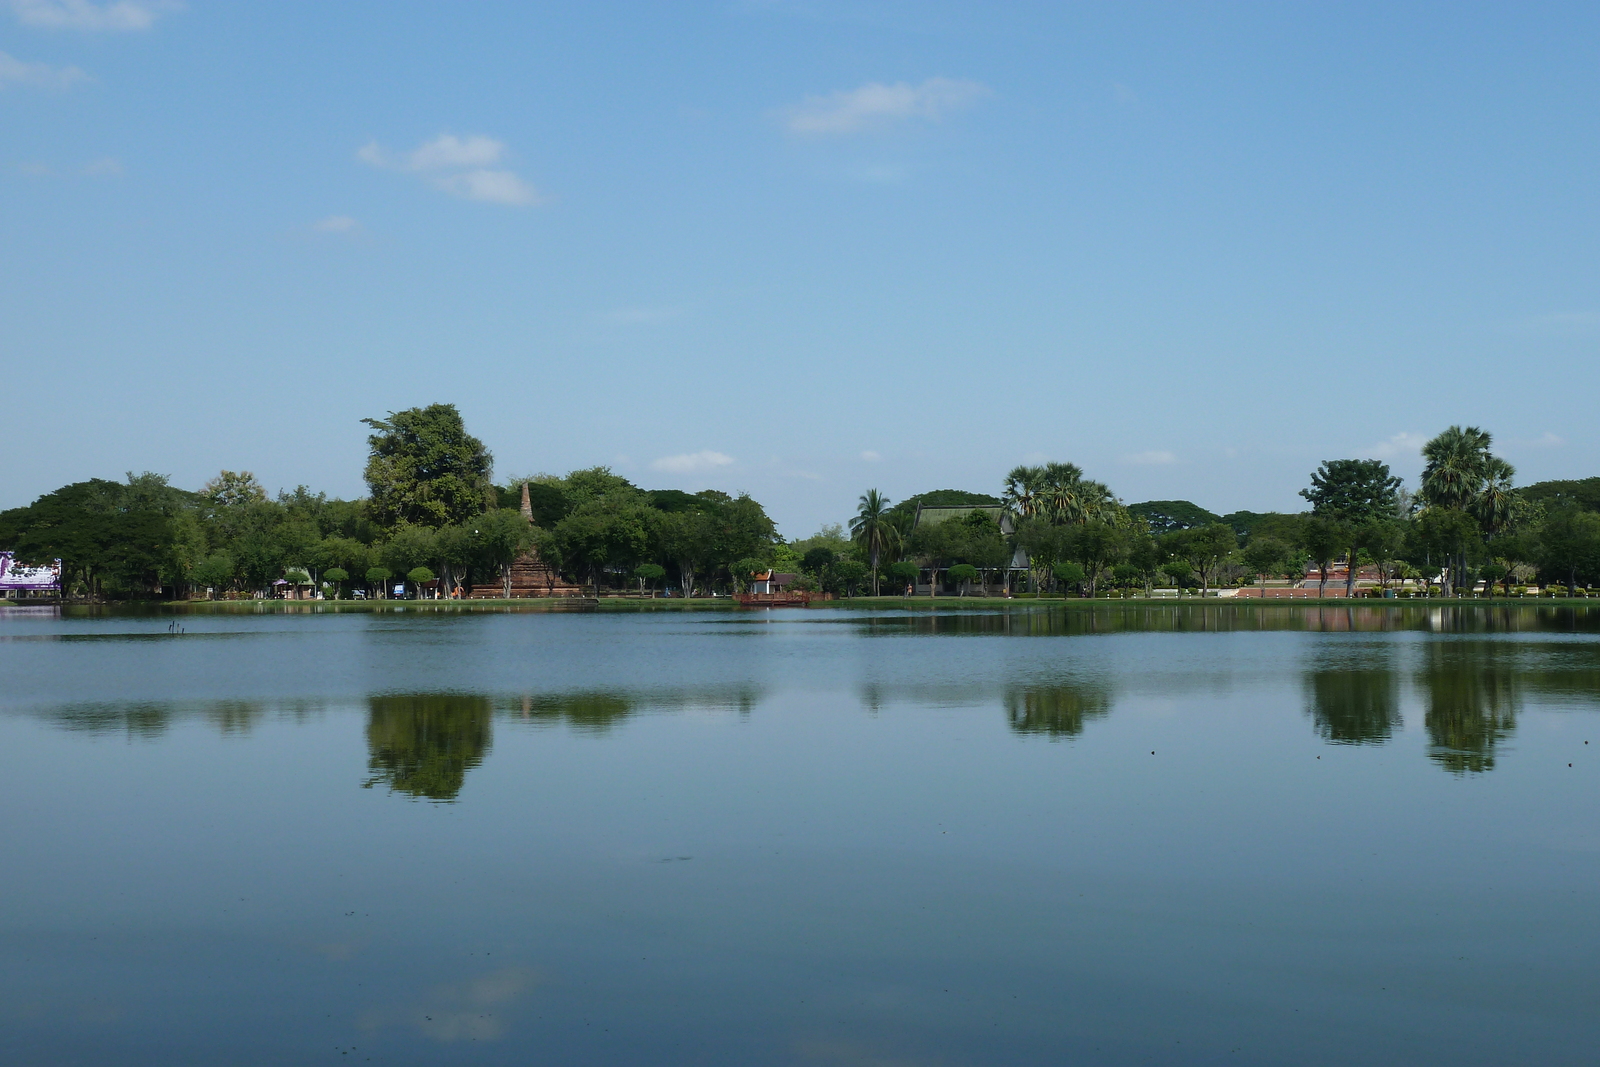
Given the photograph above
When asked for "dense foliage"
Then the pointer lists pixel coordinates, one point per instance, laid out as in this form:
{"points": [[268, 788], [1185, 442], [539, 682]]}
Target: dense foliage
{"points": [[434, 520]]}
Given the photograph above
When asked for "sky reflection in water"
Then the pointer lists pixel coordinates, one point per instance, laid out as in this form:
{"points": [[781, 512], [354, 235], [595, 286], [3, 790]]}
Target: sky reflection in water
{"points": [[1163, 835]]}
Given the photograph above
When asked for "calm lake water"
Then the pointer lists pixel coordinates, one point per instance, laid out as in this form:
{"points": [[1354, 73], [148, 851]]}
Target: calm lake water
{"points": [[1161, 835]]}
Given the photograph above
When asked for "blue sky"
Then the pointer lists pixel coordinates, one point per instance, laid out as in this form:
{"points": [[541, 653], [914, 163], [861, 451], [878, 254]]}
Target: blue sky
{"points": [[798, 249]]}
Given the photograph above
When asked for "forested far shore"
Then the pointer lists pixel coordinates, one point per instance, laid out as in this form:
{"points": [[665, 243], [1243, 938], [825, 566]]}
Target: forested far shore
{"points": [[435, 522]]}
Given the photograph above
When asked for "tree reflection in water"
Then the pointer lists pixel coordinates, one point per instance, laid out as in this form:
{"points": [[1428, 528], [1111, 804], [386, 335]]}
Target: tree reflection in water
{"points": [[1473, 692], [1057, 709], [425, 744], [1357, 701], [592, 713]]}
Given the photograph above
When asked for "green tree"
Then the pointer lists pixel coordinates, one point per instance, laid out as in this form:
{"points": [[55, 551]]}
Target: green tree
{"points": [[498, 538], [607, 531], [1323, 538], [410, 546], [231, 489], [418, 576], [1462, 476], [743, 570], [1354, 493], [819, 561], [873, 530], [904, 572], [379, 577], [214, 572], [684, 538], [1264, 556], [424, 469], [1445, 536], [1096, 544], [962, 574], [850, 573], [1569, 545], [649, 573], [338, 576], [1069, 574], [1205, 549]]}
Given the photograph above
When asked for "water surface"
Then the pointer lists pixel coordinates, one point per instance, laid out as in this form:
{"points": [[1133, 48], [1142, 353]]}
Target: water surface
{"points": [[1158, 835]]}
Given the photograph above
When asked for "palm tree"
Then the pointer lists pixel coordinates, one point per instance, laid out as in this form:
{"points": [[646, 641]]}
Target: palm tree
{"points": [[1458, 462], [873, 529], [1022, 492], [1463, 475]]}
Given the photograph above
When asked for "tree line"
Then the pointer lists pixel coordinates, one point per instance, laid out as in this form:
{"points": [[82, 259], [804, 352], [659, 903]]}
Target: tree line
{"points": [[1465, 522], [435, 516]]}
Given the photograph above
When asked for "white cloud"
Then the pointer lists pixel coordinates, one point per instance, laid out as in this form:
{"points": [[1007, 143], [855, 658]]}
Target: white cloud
{"points": [[1154, 456], [1544, 440], [41, 75], [691, 461], [337, 224], [870, 456], [450, 151], [465, 163], [1405, 443], [489, 187], [875, 106], [83, 15], [104, 167]]}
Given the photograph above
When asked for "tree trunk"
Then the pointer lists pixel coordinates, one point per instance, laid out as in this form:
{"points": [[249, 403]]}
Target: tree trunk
{"points": [[1350, 573]]}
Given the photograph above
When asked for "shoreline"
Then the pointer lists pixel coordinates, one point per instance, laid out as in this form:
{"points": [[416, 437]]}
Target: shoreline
{"points": [[724, 604]]}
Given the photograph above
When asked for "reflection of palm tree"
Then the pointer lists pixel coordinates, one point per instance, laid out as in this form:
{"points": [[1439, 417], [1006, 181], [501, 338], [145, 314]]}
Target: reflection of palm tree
{"points": [[872, 528], [1473, 695], [425, 744], [1056, 710], [1354, 707]]}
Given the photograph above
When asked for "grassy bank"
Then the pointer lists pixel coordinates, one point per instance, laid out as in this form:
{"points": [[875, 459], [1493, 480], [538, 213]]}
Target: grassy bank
{"points": [[725, 604]]}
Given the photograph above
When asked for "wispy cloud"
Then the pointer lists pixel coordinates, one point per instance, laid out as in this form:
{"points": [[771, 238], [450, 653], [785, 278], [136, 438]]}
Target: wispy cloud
{"points": [[690, 462], [870, 456], [1152, 457], [337, 224], [119, 15], [489, 187], [39, 75], [876, 106], [461, 166], [1405, 443]]}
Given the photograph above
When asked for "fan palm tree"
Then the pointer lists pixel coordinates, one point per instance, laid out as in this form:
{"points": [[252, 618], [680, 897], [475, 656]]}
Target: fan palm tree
{"points": [[873, 529], [1457, 467], [1023, 491]]}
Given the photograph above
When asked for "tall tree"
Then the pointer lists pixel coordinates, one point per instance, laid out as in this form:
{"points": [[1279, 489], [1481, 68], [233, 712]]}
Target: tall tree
{"points": [[1569, 546], [1462, 475], [425, 469], [1353, 493], [872, 530], [1323, 538]]}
